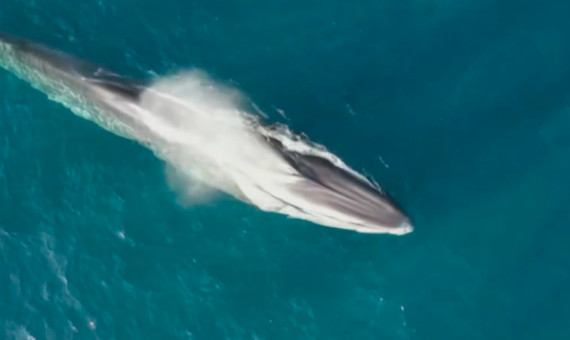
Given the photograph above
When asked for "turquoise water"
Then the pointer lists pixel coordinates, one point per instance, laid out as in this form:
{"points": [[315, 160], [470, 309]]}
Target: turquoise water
{"points": [[461, 110]]}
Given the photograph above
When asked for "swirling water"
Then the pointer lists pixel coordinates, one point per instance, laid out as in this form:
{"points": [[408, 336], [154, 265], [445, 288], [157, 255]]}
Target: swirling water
{"points": [[461, 110]]}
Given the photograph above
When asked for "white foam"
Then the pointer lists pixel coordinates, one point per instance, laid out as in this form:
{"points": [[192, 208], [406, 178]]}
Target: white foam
{"points": [[199, 127]]}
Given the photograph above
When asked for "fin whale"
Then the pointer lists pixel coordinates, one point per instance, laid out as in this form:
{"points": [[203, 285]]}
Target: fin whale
{"points": [[271, 168]]}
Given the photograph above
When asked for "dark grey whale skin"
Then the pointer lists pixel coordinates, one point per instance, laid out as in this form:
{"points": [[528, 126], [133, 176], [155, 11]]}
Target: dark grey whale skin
{"points": [[75, 67]]}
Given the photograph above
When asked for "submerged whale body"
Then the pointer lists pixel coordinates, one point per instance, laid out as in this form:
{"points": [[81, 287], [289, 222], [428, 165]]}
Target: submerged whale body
{"points": [[199, 128]]}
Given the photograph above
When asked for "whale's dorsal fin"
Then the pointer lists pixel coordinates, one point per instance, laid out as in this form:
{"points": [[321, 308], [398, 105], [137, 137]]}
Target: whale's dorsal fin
{"points": [[123, 86]]}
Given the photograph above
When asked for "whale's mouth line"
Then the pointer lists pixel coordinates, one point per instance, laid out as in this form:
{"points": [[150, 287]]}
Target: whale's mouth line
{"points": [[201, 127]]}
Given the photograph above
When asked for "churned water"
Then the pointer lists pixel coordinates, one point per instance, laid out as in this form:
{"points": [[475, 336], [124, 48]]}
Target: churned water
{"points": [[459, 109]]}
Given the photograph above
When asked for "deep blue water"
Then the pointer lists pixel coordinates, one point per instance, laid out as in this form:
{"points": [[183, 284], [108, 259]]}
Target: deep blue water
{"points": [[466, 102]]}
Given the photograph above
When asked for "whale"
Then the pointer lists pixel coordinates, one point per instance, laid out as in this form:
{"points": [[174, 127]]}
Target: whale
{"points": [[198, 127]]}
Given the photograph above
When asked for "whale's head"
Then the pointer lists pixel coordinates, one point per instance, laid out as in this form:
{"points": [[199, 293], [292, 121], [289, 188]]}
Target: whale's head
{"points": [[334, 195]]}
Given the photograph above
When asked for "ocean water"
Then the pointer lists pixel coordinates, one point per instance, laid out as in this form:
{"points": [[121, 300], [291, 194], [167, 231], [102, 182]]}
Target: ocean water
{"points": [[459, 109]]}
